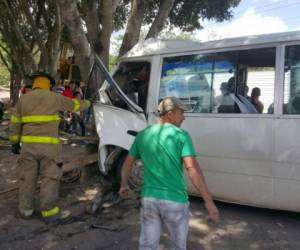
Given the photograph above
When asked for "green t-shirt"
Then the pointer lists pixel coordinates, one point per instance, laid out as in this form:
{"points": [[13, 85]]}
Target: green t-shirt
{"points": [[161, 148]]}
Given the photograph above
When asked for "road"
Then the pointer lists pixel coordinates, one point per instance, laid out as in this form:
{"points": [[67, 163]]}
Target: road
{"points": [[243, 227]]}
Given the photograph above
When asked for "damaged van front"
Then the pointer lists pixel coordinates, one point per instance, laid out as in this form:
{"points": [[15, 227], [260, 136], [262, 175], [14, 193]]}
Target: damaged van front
{"points": [[120, 115]]}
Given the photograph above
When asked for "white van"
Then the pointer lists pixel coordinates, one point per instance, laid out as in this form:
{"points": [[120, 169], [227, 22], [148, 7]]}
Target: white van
{"points": [[248, 146]]}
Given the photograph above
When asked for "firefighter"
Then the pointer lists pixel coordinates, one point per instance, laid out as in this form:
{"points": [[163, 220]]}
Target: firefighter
{"points": [[34, 124]]}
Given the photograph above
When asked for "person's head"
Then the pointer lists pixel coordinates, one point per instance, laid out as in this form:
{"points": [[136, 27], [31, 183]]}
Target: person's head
{"points": [[224, 87], [77, 83], [72, 85], [60, 82], [42, 80], [171, 110], [26, 85], [144, 73], [255, 92]]}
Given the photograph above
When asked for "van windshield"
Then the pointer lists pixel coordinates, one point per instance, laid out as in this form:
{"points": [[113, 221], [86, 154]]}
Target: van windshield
{"points": [[133, 79]]}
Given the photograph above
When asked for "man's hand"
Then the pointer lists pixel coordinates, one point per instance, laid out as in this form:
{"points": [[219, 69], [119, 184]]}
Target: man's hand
{"points": [[213, 212], [195, 173], [126, 170], [123, 190], [16, 148]]}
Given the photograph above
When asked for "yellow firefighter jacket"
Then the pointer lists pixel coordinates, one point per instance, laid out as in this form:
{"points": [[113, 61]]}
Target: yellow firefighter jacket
{"points": [[35, 121]]}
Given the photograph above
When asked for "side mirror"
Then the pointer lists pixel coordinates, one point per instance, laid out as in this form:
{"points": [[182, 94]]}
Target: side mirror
{"points": [[132, 132]]}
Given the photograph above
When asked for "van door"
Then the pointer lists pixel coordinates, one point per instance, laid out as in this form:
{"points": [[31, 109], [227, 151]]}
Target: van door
{"points": [[117, 117]]}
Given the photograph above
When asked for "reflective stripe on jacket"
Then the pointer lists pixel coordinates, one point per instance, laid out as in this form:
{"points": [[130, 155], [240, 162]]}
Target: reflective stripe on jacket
{"points": [[35, 118]]}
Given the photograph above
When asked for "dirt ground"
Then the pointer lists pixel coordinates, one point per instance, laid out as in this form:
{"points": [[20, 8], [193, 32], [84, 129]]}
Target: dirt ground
{"points": [[116, 226]]}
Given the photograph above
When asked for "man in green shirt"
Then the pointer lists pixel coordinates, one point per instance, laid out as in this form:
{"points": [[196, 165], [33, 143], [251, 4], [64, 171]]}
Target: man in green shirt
{"points": [[164, 148]]}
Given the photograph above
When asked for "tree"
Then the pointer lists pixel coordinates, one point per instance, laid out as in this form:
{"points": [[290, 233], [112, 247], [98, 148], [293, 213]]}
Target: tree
{"points": [[29, 30], [101, 18]]}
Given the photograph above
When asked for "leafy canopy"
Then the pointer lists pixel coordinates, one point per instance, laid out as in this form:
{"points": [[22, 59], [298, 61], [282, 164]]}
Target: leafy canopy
{"points": [[185, 14]]}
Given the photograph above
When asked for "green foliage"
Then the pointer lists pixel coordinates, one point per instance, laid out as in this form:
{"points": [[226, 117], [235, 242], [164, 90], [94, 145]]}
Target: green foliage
{"points": [[4, 76], [112, 61], [122, 12], [4, 73], [116, 42], [185, 14]]}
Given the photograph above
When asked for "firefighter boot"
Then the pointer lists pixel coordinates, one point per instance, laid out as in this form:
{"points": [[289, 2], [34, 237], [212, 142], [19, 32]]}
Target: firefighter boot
{"points": [[55, 215], [26, 213]]}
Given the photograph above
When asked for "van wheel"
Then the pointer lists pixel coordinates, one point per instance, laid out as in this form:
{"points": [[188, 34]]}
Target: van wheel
{"points": [[136, 178]]}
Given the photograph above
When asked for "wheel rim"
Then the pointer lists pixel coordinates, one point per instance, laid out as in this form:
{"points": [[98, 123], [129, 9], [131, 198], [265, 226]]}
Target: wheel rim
{"points": [[136, 178]]}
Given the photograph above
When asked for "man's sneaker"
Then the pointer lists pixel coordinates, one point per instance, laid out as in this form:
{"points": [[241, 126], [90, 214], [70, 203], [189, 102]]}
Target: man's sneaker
{"points": [[55, 215], [26, 213]]}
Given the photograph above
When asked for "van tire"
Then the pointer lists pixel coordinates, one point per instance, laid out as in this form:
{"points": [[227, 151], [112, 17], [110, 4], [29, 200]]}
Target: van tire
{"points": [[136, 178]]}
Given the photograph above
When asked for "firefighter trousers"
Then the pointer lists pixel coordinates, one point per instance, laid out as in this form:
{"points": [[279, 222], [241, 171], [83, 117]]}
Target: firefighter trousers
{"points": [[30, 167]]}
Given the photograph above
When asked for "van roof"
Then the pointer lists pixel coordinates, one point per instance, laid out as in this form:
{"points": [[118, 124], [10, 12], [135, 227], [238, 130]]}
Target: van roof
{"points": [[155, 46]]}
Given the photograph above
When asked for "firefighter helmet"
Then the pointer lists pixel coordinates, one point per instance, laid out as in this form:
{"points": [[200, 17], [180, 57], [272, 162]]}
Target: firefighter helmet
{"points": [[42, 79]]}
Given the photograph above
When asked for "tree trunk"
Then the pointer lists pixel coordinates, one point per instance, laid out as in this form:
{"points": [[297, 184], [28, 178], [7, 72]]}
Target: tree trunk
{"points": [[72, 20], [19, 35], [98, 37], [15, 84], [53, 41], [107, 27], [25, 8], [134, 25], [90, 14], [162, 15]]}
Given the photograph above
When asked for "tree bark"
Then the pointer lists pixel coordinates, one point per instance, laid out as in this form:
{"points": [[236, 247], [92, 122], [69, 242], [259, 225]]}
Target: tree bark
{"points": [[19, 35], [99, 37], [162, 15], [134, 25], [38, 38], [90, 13], [53, 41], [15, 83], [71, 18], [107, 13]]}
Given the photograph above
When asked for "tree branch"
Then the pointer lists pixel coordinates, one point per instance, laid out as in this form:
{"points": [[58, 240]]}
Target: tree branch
{"points": [[52, 45], [107, 27], [91, 19], [19, 35], [80, 44], [158, 23], [5, 49], [36, 33], [134, 25], [45, 13], [114, 6]]}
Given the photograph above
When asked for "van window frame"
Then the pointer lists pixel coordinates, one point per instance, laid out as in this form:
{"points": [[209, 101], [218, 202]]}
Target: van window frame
{"points": [[283, 47], [278, 62]]}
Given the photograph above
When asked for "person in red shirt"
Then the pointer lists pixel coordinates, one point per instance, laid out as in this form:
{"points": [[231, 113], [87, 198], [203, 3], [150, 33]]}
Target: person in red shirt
{"points": [[68, 91]]}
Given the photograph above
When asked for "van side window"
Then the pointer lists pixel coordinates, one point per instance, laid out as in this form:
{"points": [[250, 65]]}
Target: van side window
{"points": [[291, 104], [221, 82], [133, 79]]}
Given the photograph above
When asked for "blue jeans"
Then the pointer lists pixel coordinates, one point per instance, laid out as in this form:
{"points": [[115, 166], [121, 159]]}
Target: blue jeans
{"points": [[175, 216]]}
